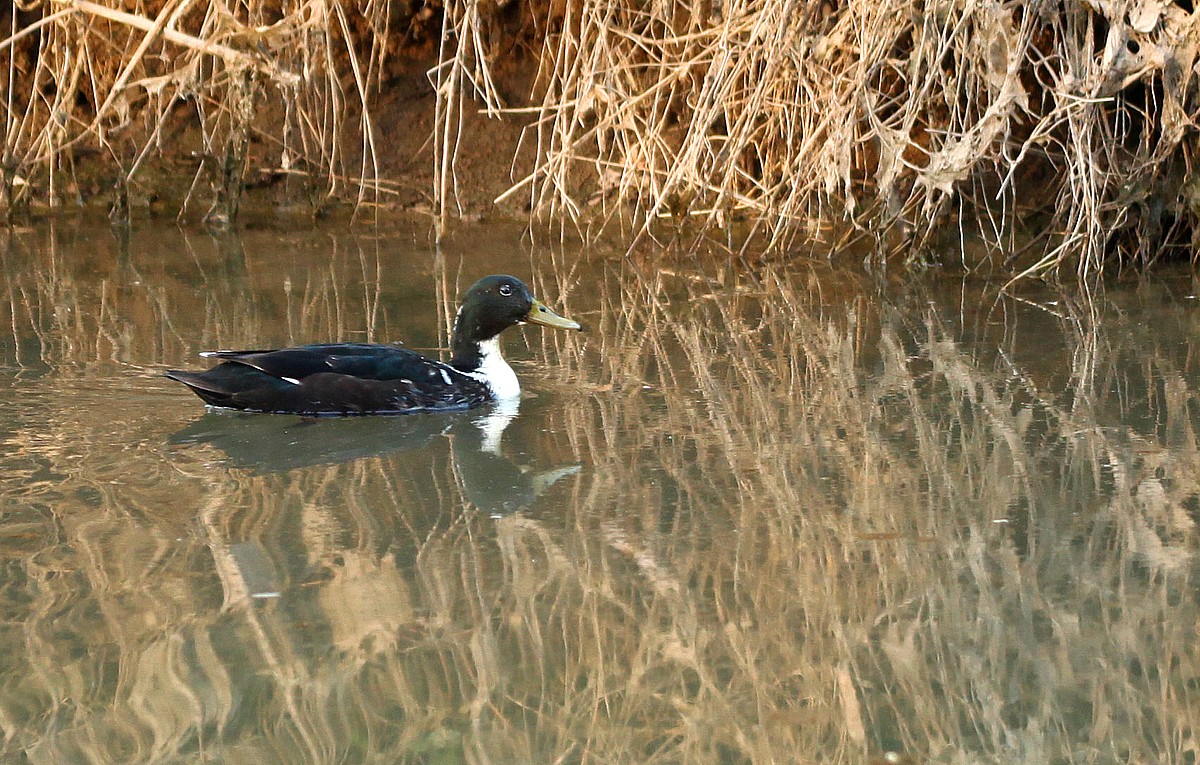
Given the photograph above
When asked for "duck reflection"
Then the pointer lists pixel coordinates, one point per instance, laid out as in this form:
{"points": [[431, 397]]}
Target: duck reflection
{"points": [[490, 480]]}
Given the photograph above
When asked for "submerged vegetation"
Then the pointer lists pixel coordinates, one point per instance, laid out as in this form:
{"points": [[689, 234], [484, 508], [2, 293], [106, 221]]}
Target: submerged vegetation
{"points": [[1036, 136]]}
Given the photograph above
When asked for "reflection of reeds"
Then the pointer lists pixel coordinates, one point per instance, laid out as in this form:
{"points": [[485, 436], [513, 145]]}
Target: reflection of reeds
{"points": [[802, 531], [124, 305]]}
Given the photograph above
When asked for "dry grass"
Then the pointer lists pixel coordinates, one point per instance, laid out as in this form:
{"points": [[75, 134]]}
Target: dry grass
{"points": [[1048, 139], [1059, 138], [293, 77]]}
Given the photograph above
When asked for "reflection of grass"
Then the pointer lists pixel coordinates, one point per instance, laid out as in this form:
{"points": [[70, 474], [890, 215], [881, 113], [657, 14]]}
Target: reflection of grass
{"points": [[125, 303], [783, 547]]}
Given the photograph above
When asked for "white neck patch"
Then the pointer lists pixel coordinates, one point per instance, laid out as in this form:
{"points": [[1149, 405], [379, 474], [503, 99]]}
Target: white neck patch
{"points": [[492, 424], [495, 372]]}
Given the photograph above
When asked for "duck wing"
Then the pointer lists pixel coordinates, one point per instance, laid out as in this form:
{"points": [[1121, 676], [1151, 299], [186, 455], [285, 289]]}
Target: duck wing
{"points": [[367, 361]]}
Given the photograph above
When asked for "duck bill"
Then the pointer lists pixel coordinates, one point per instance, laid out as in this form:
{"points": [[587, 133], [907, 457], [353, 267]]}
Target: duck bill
{"points": [[540, 314]]}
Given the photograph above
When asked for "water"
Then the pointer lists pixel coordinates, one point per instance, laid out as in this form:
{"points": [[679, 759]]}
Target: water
{"points": [[788, 514]]}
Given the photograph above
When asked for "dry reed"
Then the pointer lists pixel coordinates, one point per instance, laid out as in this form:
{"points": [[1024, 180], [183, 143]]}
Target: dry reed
{"points": [[1048, 138], [1054, 137], [294, 78]]}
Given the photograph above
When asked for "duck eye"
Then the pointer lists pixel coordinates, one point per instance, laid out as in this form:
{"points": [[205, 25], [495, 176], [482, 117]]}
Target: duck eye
{"points": [[505, 290]]}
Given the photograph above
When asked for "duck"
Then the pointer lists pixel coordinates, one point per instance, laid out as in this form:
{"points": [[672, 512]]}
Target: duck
{"points": [[369, 378]]}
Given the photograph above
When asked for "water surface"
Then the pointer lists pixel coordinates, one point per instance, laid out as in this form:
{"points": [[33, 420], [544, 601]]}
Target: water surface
{"points": [[784, 513]]}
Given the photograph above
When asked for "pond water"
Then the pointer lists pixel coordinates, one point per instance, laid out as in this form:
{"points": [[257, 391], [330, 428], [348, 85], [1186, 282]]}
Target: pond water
{"points": [[777, 513]]}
